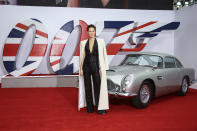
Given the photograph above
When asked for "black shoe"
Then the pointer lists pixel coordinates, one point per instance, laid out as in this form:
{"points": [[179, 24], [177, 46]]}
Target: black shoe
{"points": [[90, 111], [102, 112]]}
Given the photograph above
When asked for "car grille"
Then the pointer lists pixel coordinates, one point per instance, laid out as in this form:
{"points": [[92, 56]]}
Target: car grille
{"points": [[110, 85]]}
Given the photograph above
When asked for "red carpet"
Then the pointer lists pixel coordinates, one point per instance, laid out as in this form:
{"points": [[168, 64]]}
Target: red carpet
{"points": [[55, 109]]}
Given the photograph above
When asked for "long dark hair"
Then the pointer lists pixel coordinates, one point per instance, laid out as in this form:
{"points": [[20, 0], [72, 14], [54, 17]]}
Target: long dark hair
{"points": [[91, 26]]}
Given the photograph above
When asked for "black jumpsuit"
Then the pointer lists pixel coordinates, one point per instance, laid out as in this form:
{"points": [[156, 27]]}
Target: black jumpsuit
{"points": [[91, 68]]}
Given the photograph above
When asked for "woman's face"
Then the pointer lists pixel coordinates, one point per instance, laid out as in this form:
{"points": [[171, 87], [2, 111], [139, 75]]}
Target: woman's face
{"points": [[91, 32]]}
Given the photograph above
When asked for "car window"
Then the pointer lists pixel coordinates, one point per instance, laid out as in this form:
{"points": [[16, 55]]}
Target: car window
{"points": [[169, 62], [178, 63], [143, 60], [156, 61], [131, 59]]}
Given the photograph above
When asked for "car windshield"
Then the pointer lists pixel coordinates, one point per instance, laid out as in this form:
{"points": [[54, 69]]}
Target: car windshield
{"points": [[143, 60]]}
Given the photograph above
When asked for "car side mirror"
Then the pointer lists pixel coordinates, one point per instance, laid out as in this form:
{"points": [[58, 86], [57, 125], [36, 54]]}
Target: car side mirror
{"points": [[154, 68]]}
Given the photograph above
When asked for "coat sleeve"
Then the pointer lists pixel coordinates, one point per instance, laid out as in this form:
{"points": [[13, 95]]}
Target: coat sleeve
{"points": [[105, 56]]}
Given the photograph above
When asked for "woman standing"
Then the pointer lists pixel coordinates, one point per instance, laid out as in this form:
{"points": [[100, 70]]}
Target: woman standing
{"points": [[93, 63]]}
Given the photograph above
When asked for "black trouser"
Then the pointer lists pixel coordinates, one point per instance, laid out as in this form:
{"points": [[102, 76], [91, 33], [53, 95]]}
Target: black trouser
{"points": [[88, 71]]}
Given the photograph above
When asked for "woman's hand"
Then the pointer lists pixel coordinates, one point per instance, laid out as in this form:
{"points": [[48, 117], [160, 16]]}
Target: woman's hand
{"points": [[81, 72], [100, 72]]}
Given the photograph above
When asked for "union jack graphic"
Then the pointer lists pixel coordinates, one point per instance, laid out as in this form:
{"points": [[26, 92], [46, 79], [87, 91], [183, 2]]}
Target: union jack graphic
{"points": [[59, 43], [13, 43], [129, 33]]}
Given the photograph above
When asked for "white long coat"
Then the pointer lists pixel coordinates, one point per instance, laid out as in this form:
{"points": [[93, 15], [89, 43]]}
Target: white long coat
{"points": [[103, 99]]}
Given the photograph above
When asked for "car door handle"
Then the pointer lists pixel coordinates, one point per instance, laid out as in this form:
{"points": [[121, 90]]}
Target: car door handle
{"points": [[160, 77]]}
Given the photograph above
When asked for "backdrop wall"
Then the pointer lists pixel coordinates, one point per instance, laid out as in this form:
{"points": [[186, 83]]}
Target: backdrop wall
{"points": [[186, 37], [55, 17]]}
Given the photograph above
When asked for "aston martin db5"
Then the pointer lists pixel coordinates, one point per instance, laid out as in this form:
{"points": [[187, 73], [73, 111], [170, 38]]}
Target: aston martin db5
{"points": [[145, 75]]}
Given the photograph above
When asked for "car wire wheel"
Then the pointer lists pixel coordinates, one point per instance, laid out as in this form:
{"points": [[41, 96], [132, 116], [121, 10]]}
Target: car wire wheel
{"points": [[185, 85], [145, 93], [144, 96]]}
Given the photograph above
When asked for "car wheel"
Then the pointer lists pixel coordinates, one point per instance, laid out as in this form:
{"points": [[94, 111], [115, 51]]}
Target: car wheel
{"points": [[184, 87], [144, 96]]}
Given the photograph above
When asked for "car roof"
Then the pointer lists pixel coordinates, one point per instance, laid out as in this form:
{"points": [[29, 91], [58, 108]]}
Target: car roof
{"points": [[151, 53]]}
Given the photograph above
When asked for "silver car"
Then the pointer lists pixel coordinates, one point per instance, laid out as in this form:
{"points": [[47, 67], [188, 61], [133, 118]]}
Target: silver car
{"points": [[144, 75]]}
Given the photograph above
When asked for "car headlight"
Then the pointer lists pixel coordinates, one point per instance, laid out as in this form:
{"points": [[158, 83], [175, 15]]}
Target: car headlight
{"points": [[127, 81]]}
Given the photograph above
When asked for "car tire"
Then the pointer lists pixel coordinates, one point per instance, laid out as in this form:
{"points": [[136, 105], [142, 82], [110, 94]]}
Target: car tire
{"points": [[184, 87], [144, 96]]}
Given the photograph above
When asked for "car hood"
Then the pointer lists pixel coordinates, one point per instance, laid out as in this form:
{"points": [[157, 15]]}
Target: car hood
{"points": [[117, 73]]}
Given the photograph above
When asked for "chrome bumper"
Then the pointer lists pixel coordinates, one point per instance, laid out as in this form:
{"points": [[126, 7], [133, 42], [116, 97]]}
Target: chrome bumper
{"points": [[122, 94]]}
